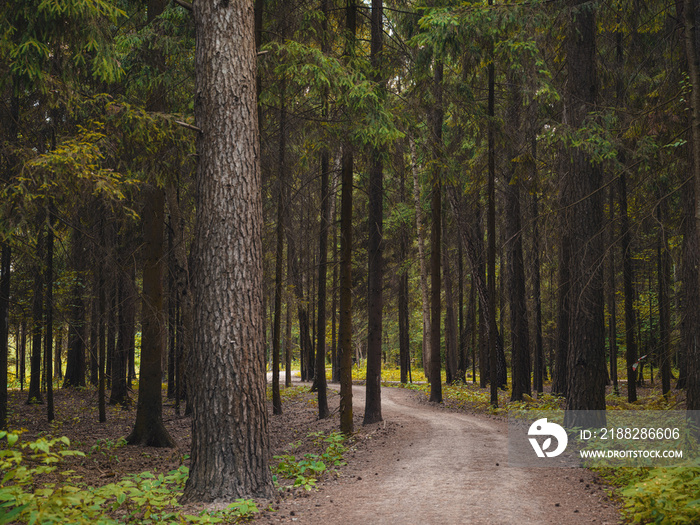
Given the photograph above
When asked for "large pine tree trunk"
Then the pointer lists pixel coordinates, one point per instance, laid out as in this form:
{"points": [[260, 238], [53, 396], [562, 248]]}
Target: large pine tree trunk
{"points": [[230, 439], [586, 352]]}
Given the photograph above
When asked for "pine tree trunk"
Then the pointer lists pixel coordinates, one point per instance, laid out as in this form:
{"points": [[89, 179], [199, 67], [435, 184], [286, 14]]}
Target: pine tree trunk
{"points": [[279, 258], [690, 9], [663, 358], [520, 336], [586, 352], [628, 285], [422, 260], [4, 328], [435, 120], [230, 440], [48, 309], [34, 394]]}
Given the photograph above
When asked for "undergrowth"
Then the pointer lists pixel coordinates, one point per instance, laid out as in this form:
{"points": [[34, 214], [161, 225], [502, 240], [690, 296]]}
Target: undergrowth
{"points": [[34, 490], [306, 471]]}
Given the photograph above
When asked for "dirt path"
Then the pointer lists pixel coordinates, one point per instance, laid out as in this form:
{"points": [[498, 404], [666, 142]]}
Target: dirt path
{"points": [[443, 467]]}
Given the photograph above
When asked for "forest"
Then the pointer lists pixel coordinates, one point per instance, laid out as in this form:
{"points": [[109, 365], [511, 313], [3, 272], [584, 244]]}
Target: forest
{"points": [[493, 197]]}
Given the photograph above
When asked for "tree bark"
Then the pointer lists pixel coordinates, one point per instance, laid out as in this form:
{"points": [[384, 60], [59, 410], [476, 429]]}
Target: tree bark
{"points": [[520, 336], [4, 328], [230, 440], [628, 285], [34, 394], [149, 429], [48, 309], [75, 359], [586, 352], [279, 257], [690, 17], [421, 259], [375, 249], [435, 119], [345, 321]]}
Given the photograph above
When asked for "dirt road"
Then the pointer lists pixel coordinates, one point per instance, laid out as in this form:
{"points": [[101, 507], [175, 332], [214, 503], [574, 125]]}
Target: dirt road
{"points": [[443, 467]]}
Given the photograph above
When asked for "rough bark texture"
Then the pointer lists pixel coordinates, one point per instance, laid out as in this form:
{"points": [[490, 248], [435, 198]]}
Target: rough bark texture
{"points": [[230, 440], [586, 350]]}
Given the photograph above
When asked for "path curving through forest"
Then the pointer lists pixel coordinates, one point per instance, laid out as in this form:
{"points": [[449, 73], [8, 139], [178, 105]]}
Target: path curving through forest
{"points": [[446, 467]]}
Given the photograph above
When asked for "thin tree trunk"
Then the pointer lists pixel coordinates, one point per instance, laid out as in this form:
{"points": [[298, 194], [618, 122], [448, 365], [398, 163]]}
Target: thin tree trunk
{"points": [[279, 258], [435, 119], [491, 234], [628, 284], [422, 260], [148, 428], [4, 328], [34, 394], [48, 338], [345, 328], [375, 249], [664, 278], [612, 288]]}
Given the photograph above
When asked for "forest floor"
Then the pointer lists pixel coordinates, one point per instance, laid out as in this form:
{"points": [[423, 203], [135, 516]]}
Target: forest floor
{"points": [[424, 464]]}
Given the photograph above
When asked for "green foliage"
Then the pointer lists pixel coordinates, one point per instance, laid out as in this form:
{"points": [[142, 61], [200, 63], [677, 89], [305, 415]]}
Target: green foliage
{"points": [[33, 491], [664, 495], [305, 472]]}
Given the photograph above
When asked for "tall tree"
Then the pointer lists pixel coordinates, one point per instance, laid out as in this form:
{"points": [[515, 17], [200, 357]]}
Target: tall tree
{"points": [[149, 428], [346, 182], [4, 327], [520, 337], [375, 221], [230, 440], [586, 353], [435, 119]]}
